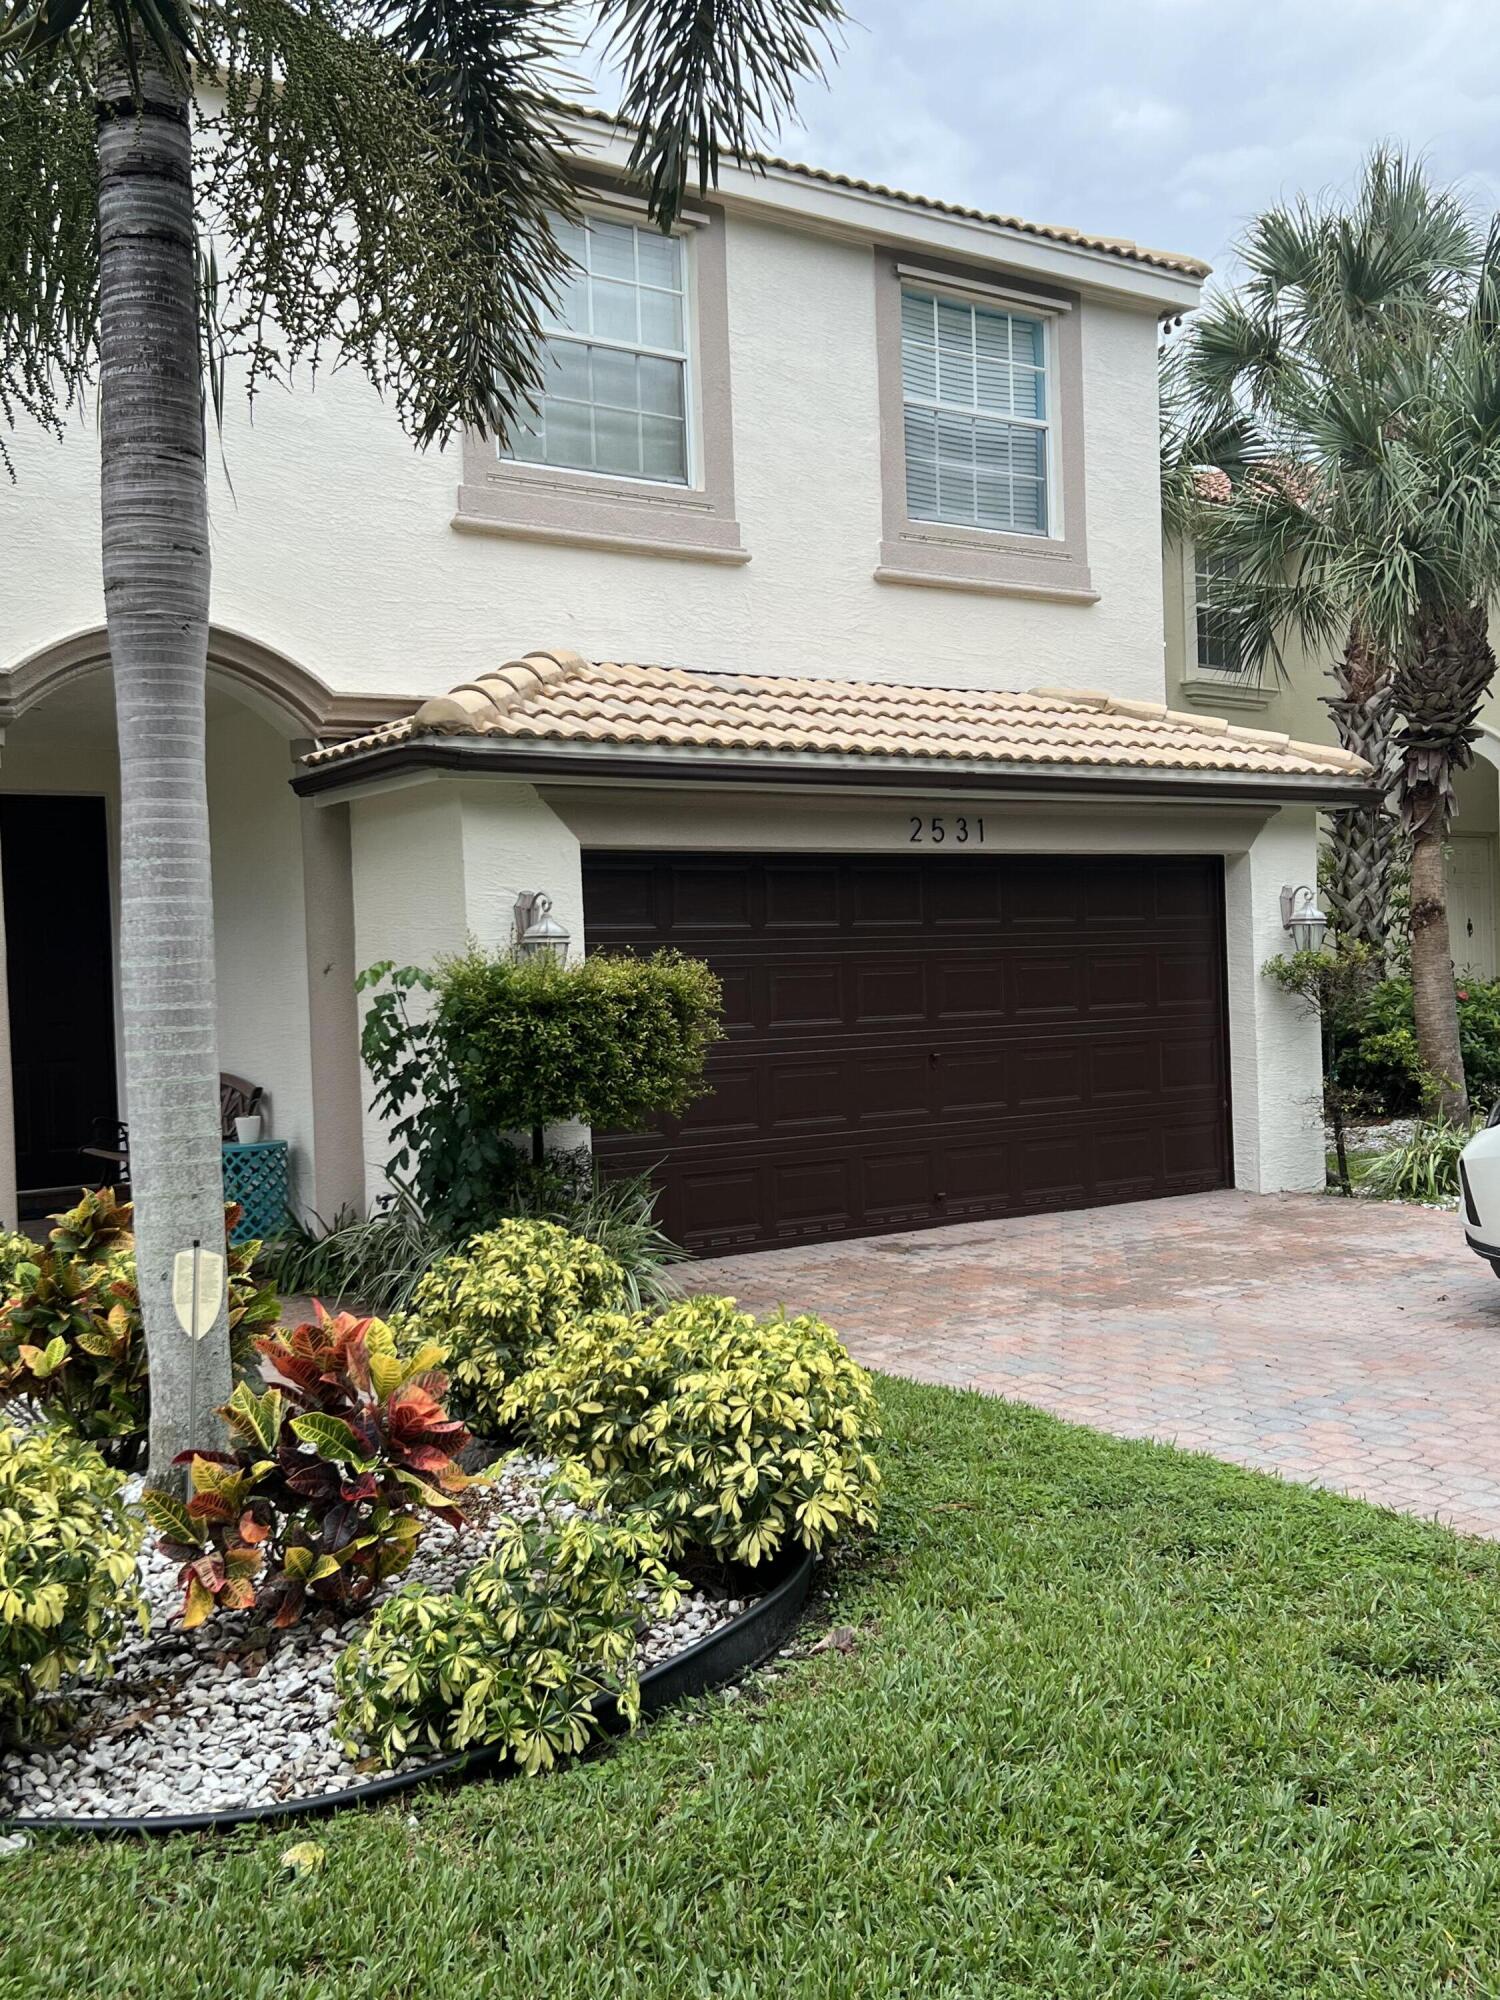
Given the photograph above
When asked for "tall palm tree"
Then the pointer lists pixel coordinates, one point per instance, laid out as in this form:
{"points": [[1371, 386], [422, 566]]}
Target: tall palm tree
{"points": [[383, 175], [1328, 289], [1376, 512]]}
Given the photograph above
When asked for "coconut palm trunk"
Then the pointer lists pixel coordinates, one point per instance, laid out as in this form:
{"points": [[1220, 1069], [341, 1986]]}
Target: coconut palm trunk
{"points": [[1362, 844], [1438, 692], [156, 579]]}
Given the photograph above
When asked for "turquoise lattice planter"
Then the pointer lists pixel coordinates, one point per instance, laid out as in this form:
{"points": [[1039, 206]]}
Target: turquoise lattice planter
{"points": [[258, 1178]]}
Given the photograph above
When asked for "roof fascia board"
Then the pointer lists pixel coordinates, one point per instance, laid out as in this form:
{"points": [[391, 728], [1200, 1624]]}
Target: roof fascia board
{"points": [[532, 758], [859, 215]]}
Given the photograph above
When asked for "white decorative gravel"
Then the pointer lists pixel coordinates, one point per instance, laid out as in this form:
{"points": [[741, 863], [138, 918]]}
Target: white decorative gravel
{"points": [[216, 1719]]}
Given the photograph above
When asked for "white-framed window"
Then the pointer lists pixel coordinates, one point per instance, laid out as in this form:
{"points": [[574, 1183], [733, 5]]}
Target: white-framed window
{"points": [[616, 388], [1218, 648], [977, 415]]}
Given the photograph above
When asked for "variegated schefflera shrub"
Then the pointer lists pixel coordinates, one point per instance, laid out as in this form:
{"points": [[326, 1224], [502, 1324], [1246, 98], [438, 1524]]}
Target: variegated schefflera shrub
{"points": [[336, 1469], [505, 1295], [739, 1435], [68, 1578], [542, 1628]]}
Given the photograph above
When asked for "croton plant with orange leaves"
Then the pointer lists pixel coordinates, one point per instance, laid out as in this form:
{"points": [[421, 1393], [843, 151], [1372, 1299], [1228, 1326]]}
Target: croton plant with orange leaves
{"points": [[334, 1470]]}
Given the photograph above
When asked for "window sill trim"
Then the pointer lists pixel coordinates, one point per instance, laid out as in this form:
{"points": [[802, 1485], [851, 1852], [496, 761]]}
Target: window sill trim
{"points": [[987, 586], [1224, 694], [598, 538]]}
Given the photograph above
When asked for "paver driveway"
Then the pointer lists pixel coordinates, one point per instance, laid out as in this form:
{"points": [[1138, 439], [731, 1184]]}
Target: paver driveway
{"points": [[1350, 1344]]}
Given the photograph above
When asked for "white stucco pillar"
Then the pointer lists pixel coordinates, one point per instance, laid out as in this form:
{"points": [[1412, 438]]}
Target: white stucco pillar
{"points": [[441, 861], [1275, 1048]]}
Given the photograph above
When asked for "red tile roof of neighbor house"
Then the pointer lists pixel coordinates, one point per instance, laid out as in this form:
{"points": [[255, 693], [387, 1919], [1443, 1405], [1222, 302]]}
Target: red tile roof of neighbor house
{"points": [[557, 697]]}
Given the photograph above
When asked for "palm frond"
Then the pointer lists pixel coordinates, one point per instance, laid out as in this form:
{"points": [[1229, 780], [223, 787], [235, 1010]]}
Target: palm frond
{"points": [[701, 78]]}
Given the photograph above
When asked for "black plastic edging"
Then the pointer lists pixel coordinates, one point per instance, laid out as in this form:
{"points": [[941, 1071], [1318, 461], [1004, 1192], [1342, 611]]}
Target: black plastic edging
{"points": [[713, 1662]]}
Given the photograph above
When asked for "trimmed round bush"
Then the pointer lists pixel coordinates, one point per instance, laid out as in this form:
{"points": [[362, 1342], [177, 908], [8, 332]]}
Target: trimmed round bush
{"points": [[67, 1568], [738, 1434], [494, 1304]]}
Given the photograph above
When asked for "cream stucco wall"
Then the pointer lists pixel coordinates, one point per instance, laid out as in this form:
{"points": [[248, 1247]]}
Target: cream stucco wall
{"points": [[260, 939], [336, 544]]}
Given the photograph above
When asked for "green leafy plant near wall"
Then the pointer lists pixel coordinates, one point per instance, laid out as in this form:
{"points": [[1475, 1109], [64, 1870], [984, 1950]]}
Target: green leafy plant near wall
{"points": [[611, 1042], [489, 1045]]}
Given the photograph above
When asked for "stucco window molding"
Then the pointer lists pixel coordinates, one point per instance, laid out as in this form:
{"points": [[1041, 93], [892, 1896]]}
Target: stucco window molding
{"points": [[547, 503], [944, 555]]}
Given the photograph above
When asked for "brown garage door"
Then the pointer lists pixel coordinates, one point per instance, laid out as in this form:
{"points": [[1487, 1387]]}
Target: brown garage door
{"points": [[925, 1040]]}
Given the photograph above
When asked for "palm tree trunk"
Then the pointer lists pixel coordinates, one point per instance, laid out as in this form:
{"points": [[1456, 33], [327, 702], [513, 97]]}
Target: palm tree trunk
{"points": [[1362, 844], [156, 578], [1434, 996], [1438, 691]]}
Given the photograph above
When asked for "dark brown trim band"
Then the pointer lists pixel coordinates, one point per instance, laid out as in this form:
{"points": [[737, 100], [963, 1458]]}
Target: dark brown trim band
{"points": [[519, 760]]}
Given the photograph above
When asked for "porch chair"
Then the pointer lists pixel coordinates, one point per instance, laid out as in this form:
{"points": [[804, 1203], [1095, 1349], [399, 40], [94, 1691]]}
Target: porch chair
{"points": [[237, 1099]]}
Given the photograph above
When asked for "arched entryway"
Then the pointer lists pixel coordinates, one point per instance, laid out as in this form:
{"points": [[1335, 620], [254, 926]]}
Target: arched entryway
{"points": [[283, 921]]}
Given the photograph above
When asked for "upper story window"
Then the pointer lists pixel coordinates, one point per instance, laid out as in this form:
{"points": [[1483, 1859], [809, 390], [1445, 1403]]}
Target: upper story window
{"points": [[616, 363], [1218, 648], [976, 415]]}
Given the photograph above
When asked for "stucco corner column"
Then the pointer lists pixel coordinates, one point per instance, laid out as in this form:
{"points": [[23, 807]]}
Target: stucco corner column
{"points": [[439, 863], [1275, 1052]]}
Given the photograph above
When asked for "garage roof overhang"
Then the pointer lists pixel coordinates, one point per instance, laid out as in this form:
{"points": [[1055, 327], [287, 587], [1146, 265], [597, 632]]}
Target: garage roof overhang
{"points": [[555, 716]]}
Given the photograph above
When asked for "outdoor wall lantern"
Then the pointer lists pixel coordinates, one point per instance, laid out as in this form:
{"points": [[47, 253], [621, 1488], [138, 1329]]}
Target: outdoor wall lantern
{"points": [[1301, 918], [538, 932]]}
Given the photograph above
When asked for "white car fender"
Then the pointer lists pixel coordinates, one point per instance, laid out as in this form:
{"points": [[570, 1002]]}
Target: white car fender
{"points": [[1479, 1192]]}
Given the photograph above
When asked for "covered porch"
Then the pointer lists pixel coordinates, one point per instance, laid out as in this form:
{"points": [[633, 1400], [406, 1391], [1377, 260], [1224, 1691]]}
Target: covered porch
{"points": [[287, 1019]]}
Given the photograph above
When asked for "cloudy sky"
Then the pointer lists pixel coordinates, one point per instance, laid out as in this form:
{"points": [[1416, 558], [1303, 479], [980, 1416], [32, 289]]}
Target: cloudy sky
{"points": [[1170, 121]]}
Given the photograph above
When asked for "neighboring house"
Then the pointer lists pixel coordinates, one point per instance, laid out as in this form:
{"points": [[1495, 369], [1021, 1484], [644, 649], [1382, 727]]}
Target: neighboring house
{"points": [[1205, 673], [849, 469]]}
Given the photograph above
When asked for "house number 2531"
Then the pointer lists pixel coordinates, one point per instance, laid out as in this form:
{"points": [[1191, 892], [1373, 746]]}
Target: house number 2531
{"points": [[959, 828]]}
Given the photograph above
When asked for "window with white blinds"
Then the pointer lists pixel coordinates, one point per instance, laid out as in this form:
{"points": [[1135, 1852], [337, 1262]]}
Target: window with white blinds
{"points": [[976, 411], [616, 364]]}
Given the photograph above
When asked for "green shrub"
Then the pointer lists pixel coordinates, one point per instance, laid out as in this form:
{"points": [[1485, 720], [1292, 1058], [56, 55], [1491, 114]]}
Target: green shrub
{"points": [[541, 1628], [1376, 1056], [1425, 1168], [505, 1295], [71, 1337], [736, 1434], [14, 1252], [609, 1041], [489, 1045], [67, 1568]]}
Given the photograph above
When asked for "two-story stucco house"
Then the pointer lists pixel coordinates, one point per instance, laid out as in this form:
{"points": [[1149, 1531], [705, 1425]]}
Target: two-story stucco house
{"points": [[815, 626]]}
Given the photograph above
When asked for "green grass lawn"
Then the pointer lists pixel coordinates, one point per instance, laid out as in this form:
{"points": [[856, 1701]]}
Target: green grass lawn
{"points": [[1117, 1721]]}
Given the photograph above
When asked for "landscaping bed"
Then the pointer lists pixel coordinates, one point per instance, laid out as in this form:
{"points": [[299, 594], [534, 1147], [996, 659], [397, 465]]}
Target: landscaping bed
{"points": [[1088, 1718], [235, 1716]]}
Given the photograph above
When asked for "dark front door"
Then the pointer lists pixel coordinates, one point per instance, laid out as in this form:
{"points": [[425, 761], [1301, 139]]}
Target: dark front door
{"points": [[59, 968], [924, 1040]]}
